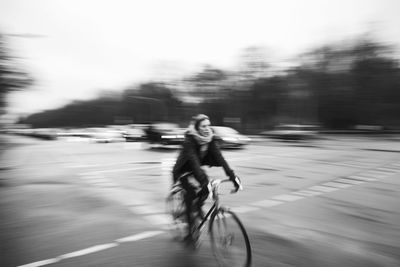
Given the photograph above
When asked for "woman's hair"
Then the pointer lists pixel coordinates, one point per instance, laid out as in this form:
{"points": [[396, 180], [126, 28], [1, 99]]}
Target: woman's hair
{"points": [[196, 120]]}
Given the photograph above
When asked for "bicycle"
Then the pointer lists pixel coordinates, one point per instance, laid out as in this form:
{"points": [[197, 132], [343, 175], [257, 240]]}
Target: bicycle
{"points": [[229, 240]]}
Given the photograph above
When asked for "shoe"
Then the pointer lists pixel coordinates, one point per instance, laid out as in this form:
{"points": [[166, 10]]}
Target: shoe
{"points": [[190, 242]]}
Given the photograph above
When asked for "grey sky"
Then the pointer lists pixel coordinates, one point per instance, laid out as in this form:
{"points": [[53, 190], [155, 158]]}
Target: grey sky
{"points": [[81, 46]]}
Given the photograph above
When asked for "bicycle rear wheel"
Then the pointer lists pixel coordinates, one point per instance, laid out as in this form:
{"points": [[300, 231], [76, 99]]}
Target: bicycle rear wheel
{"points": [[229, 240], [175, 206]]}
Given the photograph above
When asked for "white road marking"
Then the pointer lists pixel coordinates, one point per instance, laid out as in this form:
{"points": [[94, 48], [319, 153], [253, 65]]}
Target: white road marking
{"points": [[324, 189], [244, 209], [40, 263], [88, 250], [337, 185], [349, 181], [287, 197], [362, 178], [267, 203], [94, 249], [307, 193]]}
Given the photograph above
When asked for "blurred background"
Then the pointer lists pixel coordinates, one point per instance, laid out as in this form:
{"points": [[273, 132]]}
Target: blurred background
{"points": [[334, 65], [95, 97]]}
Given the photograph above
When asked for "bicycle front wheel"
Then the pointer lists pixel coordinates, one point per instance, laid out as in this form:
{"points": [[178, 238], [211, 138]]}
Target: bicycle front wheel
{"points": [[229, 239]]}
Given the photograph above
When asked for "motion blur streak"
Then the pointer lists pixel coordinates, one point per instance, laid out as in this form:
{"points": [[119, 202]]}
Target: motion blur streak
{"points": [[94, 249], [300, 196]]}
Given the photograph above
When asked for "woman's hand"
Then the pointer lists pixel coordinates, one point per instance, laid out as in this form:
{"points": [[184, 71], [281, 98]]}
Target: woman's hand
{"points": [[237, 184]]}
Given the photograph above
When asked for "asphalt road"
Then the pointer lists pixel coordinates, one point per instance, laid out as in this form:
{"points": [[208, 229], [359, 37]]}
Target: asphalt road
{"points": [[328, 202]]}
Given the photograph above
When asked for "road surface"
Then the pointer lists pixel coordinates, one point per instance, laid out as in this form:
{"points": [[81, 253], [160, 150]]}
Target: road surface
{"points": [[71, 202]]}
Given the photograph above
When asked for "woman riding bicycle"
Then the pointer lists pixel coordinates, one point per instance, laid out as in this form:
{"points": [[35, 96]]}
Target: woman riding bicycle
{"points": [[199, 148]]}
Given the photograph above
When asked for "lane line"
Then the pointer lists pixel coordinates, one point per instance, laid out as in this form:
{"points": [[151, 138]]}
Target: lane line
{"points": [[138, 237], [88, 250], [362, 178], [244, 209], [94, 249], [40, 263], [324, 189], [287, 197], [349, 181], [307, 193]]}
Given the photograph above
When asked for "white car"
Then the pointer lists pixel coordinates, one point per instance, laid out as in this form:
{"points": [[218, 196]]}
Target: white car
{"points": [[105, 135], [229, 138], [292, 132]]}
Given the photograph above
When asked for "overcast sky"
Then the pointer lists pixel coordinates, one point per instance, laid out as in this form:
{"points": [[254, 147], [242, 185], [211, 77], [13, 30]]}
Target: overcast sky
{"points": [[74, 48]]}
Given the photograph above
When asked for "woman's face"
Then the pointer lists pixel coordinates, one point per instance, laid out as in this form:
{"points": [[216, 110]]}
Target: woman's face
{"points": [[204, 128]]}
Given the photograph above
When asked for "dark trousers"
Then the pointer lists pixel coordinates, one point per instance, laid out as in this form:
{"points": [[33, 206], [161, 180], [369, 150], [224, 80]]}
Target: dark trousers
{"points": [[195, 196]]}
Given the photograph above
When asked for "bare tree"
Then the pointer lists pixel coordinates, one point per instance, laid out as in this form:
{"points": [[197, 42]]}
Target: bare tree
{"points": [[11, 78]]}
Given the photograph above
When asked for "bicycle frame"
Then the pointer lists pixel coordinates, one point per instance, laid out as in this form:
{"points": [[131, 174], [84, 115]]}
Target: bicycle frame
{"points": [[214, 185], [218, 217]]}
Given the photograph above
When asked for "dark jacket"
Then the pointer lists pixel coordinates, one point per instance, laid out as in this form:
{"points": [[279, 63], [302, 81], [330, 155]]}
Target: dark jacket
{"points": [[189, 160]]}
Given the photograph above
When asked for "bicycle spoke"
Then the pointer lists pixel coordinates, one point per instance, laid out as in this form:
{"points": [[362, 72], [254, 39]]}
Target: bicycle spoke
{"points": [[176, 208], [230, 242]]}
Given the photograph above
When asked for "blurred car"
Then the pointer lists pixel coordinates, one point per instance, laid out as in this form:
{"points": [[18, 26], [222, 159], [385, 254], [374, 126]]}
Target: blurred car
{"points": [[165, 134], [227, 137], [292, 132], [134, 135], [73, 133], [104, 135], [44, 133]]}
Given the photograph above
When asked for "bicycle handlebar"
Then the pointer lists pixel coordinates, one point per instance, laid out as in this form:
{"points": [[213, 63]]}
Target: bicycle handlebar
{"points": [[215, 183]]}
